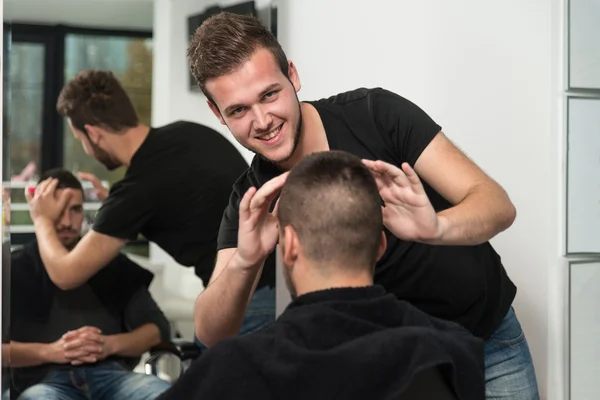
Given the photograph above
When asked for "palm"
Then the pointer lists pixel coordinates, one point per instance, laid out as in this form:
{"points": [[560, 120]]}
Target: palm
{"points": [[407, 213], [257, 236]]}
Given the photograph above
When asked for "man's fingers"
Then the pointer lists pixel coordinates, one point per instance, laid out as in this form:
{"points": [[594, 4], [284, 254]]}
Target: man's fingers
{"points": [[86, 176], [50, 188], [268, 191], [411, 175], [388, 173], [41, 187], [64, 198], [82, 332], [245, 202]]}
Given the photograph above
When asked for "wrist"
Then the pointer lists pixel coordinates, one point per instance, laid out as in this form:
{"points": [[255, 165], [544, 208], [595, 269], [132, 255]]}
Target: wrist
{"points": [[45, 353], [42, 220], [111, 345], [442, 228], [239, 263]]}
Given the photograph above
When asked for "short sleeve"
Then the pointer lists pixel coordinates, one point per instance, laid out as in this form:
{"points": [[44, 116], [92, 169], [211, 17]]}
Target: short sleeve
{"points": [[125, 211], [409, 128], [228, 231]]}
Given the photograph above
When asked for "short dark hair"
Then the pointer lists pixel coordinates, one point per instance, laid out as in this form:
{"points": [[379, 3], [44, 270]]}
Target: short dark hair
{"points": [[224, 42], [66, 180], [331, 200], [97, 98]]}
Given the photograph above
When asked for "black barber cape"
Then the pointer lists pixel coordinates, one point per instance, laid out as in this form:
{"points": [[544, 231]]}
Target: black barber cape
{"points": [[348, 343]]}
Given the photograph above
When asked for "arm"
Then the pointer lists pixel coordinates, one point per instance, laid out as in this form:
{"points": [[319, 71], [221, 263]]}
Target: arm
{"points": [[147, 326], [70, 269], [26, 354], [134, 343], [33, 354], [482, 209], [219, 310]]}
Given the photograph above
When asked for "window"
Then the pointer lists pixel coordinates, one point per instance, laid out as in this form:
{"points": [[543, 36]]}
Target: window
{"points": [[26, 75], [38, 61]]}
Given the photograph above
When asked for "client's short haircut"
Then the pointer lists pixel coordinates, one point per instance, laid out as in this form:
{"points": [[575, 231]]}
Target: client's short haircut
{"points": [[332, 201], [66, 180]]}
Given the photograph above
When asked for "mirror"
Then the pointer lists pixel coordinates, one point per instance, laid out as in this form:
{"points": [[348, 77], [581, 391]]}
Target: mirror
{"points": [[6, 214]]}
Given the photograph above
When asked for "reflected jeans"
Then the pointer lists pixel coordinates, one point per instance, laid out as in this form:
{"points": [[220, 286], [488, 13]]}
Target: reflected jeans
{"points": [[106, 381]]}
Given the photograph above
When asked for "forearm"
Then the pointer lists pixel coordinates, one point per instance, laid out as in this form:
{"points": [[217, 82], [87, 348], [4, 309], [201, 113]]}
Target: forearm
{"points": [[53, 253], [482, 214], [220, 309], [134, 343], [25, 354]]}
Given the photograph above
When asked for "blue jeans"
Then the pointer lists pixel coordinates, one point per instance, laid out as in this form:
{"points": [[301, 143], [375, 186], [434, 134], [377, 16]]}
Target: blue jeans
{"points": [[260, 313], [105, 381], [509, 371]]}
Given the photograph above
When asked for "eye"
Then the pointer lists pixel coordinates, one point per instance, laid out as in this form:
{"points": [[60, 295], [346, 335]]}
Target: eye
{"points": [[270, 95], [237, 111]]}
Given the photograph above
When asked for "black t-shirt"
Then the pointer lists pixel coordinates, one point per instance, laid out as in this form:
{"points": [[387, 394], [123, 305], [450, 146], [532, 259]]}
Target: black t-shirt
{"points": [[466, 284], [174, 193]]}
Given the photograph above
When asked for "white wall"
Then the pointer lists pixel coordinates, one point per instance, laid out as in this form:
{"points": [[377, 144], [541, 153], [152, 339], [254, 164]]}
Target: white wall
{"points": [[489, 72]]}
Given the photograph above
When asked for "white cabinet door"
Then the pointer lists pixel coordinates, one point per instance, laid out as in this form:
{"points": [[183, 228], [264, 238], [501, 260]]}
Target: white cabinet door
{"points": [[585, 330], [584, 44], [583, 185]]}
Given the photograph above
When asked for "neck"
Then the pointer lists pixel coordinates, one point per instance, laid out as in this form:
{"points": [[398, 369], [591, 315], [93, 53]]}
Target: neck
{"points": [[315, 280], [131, 140], [312, 136]]}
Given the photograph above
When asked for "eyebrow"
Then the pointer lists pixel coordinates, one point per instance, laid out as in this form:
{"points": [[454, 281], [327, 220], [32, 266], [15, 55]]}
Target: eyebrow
{"points": [[266, 90]]}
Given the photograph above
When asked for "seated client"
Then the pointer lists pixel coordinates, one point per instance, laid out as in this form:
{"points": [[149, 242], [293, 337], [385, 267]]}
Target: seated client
{"points": [[341, 337], [81, 343]]}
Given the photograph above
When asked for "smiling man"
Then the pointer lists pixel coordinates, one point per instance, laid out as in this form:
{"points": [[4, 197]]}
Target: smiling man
{"points": [[440, 208]]}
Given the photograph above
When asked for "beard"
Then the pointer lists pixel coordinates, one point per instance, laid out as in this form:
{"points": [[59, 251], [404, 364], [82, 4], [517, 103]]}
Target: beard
{"points": [[104, 158], [295, 140], [69, 243]]}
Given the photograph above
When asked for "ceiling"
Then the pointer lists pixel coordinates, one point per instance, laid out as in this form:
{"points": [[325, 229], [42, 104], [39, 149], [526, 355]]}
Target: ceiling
{"points": [[123, 14]]}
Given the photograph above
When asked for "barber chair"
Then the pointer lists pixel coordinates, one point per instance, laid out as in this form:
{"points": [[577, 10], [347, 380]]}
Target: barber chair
{"points": [[428, 384], [184, 351]]}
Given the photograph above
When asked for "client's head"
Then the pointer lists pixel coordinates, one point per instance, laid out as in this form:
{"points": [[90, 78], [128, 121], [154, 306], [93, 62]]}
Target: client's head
{"points": [[330, 221], [68, 225]]}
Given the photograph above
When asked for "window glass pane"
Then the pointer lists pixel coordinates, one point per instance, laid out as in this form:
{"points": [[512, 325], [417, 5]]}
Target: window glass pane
{"points": [[26, 77], [130, 59]]}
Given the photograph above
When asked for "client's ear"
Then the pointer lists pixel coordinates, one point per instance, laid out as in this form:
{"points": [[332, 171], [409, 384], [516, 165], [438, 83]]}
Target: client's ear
{"points": [[290, 248], [382, 245]]}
